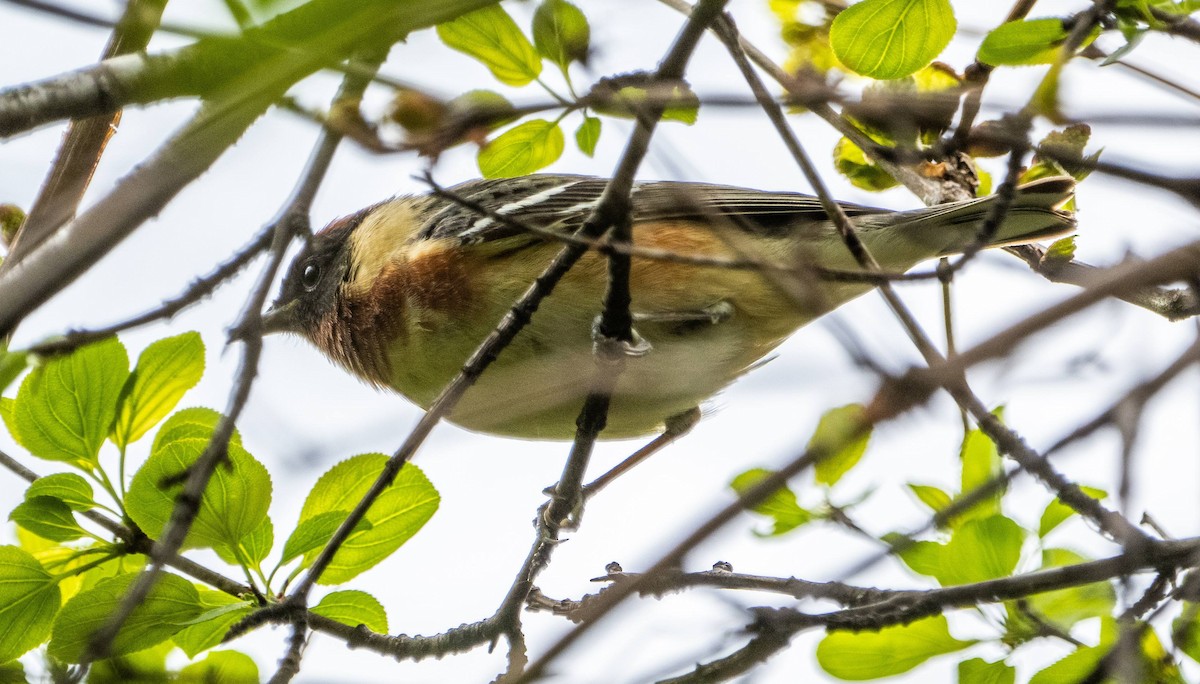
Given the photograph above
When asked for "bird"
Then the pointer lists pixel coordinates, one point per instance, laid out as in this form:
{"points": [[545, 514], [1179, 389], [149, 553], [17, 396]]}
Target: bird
{"points": [[402, 292]]}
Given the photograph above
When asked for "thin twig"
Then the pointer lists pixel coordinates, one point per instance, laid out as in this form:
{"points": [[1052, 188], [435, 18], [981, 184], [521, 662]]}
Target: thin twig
{"points": [[83, 143]]}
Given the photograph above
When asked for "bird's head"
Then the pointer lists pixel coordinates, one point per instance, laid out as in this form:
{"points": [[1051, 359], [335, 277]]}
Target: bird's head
{"points": [[312, 286]]}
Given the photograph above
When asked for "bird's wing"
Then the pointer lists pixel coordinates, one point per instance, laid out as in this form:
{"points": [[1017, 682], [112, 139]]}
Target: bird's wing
{"points": [[563, 203]]}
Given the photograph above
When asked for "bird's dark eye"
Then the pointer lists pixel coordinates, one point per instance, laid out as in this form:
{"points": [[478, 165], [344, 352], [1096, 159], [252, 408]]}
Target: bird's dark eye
{"points": [[311, 276]]}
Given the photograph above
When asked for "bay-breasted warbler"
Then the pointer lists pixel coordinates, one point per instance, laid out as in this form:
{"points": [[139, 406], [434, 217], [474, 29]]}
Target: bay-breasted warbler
{"points": [[401, 292]]}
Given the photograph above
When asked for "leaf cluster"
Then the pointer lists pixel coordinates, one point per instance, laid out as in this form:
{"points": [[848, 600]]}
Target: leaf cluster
{"points": [[68, 576]]}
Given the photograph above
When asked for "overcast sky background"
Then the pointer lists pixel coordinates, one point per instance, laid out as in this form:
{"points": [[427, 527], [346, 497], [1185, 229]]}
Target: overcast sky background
{"points": [[306, 415]]}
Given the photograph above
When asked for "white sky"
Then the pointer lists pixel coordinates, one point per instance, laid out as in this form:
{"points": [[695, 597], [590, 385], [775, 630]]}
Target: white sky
{"points": [[306, 415]]}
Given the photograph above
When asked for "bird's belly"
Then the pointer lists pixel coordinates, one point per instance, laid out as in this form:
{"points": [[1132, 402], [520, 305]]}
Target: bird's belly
{"points": [[536, 387]]}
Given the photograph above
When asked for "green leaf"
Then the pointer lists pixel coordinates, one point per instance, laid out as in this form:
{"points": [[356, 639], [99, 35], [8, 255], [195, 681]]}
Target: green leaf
{"points": [[171, 603], [29, 599], [852, 162], [254, 547], [492, 37], [1065, 607], [399, 512], [1185, 630], [147, 666], [1067, 146], [315, 532], [1059, 253], [561, 33], [980, 465], [1057, 512], [980, 671], [6, 413], [11, 364], [190, 423], [587, 135], [112, 567], [219, 612], [66, 406], [165, 371], [836, 437], [936, 499], [220, 667], [522, 149], [489, 108], [1078, 665], [890, 651], [1045, 99], [354, 608], [13, 672], [233, 506], [984, 549], [887, 39], [47, 517], [70, 488], [980, 549], [1036, 41], [985, 183], [781, 506]]}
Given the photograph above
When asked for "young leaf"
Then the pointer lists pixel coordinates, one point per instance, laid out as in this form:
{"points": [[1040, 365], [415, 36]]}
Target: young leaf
{"points": [[980, 465], [354, 608], [1185, 630], [492, 37], [147, 665], [835, 434], [587, 135], [171, 604], [11, 364], [220, 667], [165, 371], [936, 499], [190, 423], [1067, 146], [980, 671], [890, 651], [782, 506], [984, 549], [561, 33], [254, 547], [218, 612], [13, 672], [1036, 41], [521, 150], [66, 406], [233, 506], [403, 508], [315, 532], [1065, 607], [851, 162], [980, 549], [47, 517], [887, 39], [1057, 512], [29, 599], [70, 488], [1059, 253], [1077, 666], [1045, 99]]}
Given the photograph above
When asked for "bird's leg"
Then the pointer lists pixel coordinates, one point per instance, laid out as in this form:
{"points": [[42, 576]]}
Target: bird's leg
{"points": [[677, 426]]}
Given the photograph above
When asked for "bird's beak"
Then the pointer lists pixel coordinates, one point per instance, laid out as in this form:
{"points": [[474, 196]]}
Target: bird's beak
{"points": [[279, 319]]}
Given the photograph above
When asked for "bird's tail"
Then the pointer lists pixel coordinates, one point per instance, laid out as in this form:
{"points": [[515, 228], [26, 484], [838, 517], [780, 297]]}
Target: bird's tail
{"points": [[1034, 214]]}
